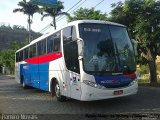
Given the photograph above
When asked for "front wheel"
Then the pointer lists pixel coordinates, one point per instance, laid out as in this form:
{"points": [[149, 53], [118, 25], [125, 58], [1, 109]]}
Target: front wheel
{"points": [[58, 95]]}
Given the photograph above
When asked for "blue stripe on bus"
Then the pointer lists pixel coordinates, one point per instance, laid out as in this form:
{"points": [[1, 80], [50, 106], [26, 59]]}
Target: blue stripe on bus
{"points": [[36, 75], [113, 81]]}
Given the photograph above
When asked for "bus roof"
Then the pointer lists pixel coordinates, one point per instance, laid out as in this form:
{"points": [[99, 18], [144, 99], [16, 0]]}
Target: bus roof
{"points": [[70, 24]]}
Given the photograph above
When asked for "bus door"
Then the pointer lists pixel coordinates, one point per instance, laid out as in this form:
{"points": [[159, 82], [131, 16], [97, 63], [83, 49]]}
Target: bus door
{"points": [[70, 48]]}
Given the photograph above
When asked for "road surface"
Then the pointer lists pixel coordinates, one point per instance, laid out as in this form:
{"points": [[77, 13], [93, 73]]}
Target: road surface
{"points": [[15, 100]]}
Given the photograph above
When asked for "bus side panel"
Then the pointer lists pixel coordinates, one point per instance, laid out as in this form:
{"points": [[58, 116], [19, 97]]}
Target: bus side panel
{"points": [[75, 85], [44, 76], [44, 64], [17, 72], [33, 71], [57, 70], [26, 74]]}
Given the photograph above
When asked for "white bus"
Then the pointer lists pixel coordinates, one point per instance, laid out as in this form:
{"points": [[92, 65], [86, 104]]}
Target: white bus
{"points": [[85, 60]]}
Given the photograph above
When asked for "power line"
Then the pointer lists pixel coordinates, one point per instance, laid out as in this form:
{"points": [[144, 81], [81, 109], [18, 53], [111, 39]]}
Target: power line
{"points": [[74, 9], [60, 18], [70, 9], [81, 4], [44, 29], [98, 4]]}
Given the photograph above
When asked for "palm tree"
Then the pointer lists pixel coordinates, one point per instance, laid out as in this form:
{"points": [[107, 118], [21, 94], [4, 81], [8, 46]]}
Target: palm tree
{"points": [[54, 12], [29, 9]]}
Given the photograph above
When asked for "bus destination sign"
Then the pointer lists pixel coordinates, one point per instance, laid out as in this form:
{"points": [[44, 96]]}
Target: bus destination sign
{"points": [[45, 3]]}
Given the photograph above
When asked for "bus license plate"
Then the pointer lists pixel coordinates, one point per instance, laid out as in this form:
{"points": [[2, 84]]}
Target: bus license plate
{"points": [[118, 92]]}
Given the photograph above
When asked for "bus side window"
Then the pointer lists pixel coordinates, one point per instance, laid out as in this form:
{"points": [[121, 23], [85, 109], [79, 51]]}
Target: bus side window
{"points": [[21, 55], [57, 41], [67, 35], [26, 50], [17, 57], [32, 51], [41, 46], [50, 44]]}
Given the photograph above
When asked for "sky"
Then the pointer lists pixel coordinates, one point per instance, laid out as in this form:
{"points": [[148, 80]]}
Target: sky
{"points": [[7, 16]]}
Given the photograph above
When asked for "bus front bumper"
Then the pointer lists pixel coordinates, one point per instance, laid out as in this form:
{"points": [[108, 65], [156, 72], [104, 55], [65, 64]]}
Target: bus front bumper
{"points": [[90, 93]]}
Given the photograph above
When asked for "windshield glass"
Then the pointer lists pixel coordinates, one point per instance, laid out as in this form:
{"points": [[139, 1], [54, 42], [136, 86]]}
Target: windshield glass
{"points": [[107, 48]]}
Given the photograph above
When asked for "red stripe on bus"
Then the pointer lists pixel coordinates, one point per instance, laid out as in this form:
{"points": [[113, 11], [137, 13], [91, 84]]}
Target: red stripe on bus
{"points": [[44, 59]]}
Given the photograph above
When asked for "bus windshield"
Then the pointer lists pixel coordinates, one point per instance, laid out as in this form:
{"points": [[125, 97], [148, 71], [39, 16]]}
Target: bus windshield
{"points": [[107, 49]]}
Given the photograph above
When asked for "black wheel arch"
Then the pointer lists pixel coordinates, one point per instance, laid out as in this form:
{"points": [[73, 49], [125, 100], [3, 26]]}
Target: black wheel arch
{"points": [[21, 79], [52, 85]]}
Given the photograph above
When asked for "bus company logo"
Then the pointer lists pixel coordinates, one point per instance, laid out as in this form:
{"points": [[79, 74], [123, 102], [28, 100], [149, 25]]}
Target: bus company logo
{"points": [[26, 67], [109, 81]]}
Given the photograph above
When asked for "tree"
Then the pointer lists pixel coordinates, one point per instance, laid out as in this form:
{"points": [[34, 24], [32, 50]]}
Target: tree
{"points": [[54, 12], [29, 9], [87, 14], [143, 20], [7, 57]]}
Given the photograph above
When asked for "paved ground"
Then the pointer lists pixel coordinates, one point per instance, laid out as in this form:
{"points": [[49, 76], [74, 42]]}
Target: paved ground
{"points": [[15, 100]]}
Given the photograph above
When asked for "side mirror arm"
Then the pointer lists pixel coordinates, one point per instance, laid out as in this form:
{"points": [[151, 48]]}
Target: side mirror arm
{"points": [[80, 43]]}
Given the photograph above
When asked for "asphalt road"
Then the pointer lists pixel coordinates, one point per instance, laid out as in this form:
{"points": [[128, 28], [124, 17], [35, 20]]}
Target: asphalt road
{"points": [[15, 100]]}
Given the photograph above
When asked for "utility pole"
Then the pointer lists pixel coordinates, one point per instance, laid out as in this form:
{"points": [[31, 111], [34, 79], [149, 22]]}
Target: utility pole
{"points": [[29, 31]]}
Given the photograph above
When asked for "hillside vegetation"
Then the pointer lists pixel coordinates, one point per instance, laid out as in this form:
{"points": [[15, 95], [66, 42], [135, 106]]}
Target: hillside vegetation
{"points": [[8, 35]]}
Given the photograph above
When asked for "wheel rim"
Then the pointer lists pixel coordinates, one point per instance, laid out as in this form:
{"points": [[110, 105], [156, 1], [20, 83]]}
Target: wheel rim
{"points": [[57, 90]]}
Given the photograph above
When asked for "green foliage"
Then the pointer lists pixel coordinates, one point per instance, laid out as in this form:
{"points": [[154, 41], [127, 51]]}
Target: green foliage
{"points": [[53, 12], [27, 8], [9, 35], [87, 14], [11, 39], [144, 69], [7, 57], [142, 17]]}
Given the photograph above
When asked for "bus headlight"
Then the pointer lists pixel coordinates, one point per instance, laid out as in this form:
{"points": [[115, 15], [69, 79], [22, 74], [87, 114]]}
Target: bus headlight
{"points": [[93, 84]]}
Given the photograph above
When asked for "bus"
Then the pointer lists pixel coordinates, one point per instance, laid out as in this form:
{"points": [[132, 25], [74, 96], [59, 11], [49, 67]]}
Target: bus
{"points": [[85, 60]]}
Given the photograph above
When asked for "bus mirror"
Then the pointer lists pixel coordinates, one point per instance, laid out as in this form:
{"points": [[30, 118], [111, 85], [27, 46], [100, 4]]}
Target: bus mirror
{"points": [[80, 46], [134, 43]]}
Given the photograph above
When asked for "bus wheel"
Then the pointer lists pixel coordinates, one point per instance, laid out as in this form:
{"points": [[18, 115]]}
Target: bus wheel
{"points": [[58, 93], [23, 84]]}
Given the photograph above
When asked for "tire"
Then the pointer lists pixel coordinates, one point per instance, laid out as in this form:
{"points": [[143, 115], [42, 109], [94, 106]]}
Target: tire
{"points": [[57, 93], [23, 83]]}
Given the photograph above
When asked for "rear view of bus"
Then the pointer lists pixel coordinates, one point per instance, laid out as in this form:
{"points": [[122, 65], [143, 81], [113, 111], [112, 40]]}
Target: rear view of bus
{"points": [[107, 61]]}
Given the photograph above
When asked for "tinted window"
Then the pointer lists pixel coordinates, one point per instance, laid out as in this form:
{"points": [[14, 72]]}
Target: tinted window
{"points": [[32, 51], [106, 48], [70, 49], [26, 51], [67, 35], [20, 55], [17, 57], [50, 44], [57, 40], [42, 47], [123, 48]]}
